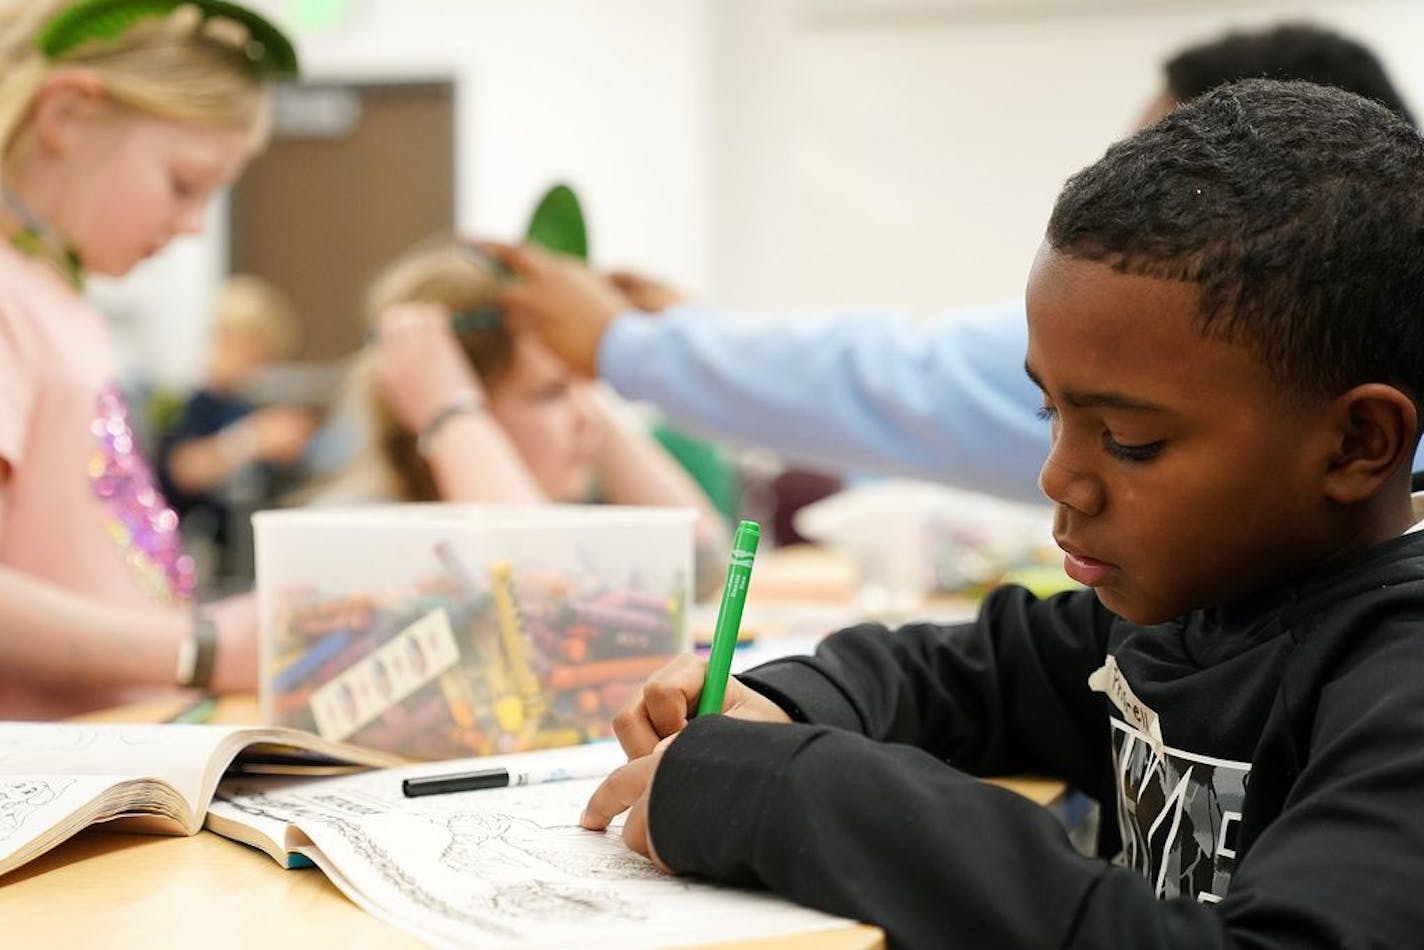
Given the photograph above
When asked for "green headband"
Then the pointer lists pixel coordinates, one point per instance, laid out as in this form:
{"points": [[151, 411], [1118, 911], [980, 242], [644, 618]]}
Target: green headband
{"points": [[269, 50]]}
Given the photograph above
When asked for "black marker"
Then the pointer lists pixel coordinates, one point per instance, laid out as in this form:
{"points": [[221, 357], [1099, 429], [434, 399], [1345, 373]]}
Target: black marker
{"points": [[496, 778]]}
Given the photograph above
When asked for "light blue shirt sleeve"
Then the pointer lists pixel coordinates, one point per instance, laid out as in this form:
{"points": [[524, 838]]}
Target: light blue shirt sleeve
{"points": [[945, 399]]}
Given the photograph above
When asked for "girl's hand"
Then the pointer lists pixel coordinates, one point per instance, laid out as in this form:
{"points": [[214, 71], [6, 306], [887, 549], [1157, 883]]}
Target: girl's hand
{"points": [[667, 700], [420, 367]]}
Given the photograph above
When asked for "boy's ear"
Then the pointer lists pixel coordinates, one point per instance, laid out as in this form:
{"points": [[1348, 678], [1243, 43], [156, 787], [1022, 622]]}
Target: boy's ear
{"points": [[1375, 426], [65, 96]]}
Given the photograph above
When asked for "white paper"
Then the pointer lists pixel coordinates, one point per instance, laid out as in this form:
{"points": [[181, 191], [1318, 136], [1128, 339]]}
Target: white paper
{"points": [[502, 867]]}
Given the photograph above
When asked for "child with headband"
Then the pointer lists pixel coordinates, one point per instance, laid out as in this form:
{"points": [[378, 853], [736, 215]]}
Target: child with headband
{"points": [[118, 121]]}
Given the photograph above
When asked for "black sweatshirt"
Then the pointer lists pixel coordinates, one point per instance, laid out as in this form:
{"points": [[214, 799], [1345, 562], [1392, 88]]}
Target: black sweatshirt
{"points": [[1281, 804]]}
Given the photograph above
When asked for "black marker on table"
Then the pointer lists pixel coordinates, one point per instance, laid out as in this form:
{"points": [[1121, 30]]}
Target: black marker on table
{"points": [[497, 778]]}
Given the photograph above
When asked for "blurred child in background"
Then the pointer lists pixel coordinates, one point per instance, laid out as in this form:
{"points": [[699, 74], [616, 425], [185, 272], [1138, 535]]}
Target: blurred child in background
{"points": [[116, 127], [464, 408], [225, 456]]}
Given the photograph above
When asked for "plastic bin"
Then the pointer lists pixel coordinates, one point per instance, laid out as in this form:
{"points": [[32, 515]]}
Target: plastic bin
{"points": [[441, 630]]}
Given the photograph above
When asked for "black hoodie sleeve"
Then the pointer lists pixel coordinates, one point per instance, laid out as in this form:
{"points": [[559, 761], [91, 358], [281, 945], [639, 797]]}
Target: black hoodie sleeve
{"points": [[888, 834], [1007, 693]]}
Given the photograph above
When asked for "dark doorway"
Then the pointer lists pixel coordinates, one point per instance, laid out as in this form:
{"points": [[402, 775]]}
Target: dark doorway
{"points": [[355, 173]]}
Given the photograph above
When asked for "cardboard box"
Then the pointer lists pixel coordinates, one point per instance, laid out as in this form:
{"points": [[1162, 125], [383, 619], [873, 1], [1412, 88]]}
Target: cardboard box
{"points": [[441, 630]]}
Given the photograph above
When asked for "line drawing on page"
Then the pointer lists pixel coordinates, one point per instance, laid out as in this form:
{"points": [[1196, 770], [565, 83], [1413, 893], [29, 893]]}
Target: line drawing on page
{"points": [[22, 797]]}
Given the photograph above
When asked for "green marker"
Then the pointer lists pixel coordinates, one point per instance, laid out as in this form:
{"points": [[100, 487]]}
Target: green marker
{"points": [[729, 618]]}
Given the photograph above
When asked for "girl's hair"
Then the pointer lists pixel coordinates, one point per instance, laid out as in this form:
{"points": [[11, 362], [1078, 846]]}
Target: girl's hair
{"points": [[179, 67], [442, 273], [254, 305]]}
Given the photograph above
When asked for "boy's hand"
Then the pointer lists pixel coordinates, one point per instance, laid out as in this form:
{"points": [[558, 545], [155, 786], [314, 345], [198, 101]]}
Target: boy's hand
{"points": [[661, 709], [627, 788], [420, 367], [560, 299]]}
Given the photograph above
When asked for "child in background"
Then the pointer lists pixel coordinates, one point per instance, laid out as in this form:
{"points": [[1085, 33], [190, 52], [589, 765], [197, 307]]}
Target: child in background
{"points": [[1224, 321], [466, 409], [117, 123], [224, 450]]}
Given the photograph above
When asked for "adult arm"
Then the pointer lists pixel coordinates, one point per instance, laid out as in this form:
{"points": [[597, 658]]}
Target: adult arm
{"points": [[945, 400]]}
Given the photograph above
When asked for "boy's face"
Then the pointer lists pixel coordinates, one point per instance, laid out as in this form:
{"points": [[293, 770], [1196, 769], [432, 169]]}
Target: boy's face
{"points": [[1180, 477]]}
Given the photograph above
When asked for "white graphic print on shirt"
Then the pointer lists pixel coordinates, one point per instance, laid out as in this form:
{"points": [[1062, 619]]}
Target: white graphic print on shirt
{"points": [[1178, 813]]}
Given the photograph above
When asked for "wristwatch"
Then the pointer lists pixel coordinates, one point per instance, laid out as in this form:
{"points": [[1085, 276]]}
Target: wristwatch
{"points": [[198, 651]]}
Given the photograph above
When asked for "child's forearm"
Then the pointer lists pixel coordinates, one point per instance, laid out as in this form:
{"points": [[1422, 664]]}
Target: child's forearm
{"points": [[635, 470], [198, 465], [52, 637], [472, 459]]}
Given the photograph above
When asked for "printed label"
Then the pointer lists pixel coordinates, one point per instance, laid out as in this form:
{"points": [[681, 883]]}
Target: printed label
{"points": [[415, 656]]}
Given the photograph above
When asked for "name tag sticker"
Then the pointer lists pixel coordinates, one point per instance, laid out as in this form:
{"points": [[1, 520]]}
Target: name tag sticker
{"points": [[1109, 679]]}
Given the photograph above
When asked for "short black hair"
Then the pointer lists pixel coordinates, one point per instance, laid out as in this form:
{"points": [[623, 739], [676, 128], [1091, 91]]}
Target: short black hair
{"points": [[1297, 210], [1289, 51]]}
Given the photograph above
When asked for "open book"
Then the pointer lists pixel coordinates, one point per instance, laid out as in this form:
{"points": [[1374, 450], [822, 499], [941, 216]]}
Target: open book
{"points": [[500, 867], [58, 778]]}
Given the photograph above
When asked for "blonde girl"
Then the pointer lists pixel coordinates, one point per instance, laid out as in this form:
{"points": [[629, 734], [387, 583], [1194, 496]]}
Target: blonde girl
{"points": [[119, 119]]}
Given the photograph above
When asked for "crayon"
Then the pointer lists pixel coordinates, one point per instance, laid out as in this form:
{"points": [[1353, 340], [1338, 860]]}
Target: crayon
{"points": [[310, 662], [601, 671], [623, 618], [516, 647]]}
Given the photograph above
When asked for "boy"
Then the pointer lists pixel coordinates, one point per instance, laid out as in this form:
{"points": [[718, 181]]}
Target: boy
{"points": [[1224, 323]]}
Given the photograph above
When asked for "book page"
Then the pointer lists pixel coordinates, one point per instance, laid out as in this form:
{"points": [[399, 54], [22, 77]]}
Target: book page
{"points": [[177, 754], [37, 809], [507, 867]]}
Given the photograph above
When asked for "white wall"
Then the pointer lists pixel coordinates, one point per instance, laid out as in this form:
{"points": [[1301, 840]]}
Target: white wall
{"points": [[774, 153], [906, 153]]}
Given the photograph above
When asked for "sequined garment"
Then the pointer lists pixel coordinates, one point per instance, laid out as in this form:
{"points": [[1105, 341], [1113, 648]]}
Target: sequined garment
{"points": [[143, 526]]}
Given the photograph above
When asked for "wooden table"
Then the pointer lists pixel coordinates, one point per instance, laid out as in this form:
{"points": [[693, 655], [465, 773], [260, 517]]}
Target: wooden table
{"points": [[101, 889]]}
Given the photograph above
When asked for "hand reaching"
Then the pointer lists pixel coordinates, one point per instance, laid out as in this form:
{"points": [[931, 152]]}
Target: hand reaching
{"points": [[560, 299], [648, 295]]}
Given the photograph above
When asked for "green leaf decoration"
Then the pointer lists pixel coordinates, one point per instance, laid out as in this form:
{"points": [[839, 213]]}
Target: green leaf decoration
{"points": [[269, 49], [557, 223]]}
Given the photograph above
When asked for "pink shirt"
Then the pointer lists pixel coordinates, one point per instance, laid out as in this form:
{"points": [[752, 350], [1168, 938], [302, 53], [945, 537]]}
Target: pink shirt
{"points": [[81, 510]]}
